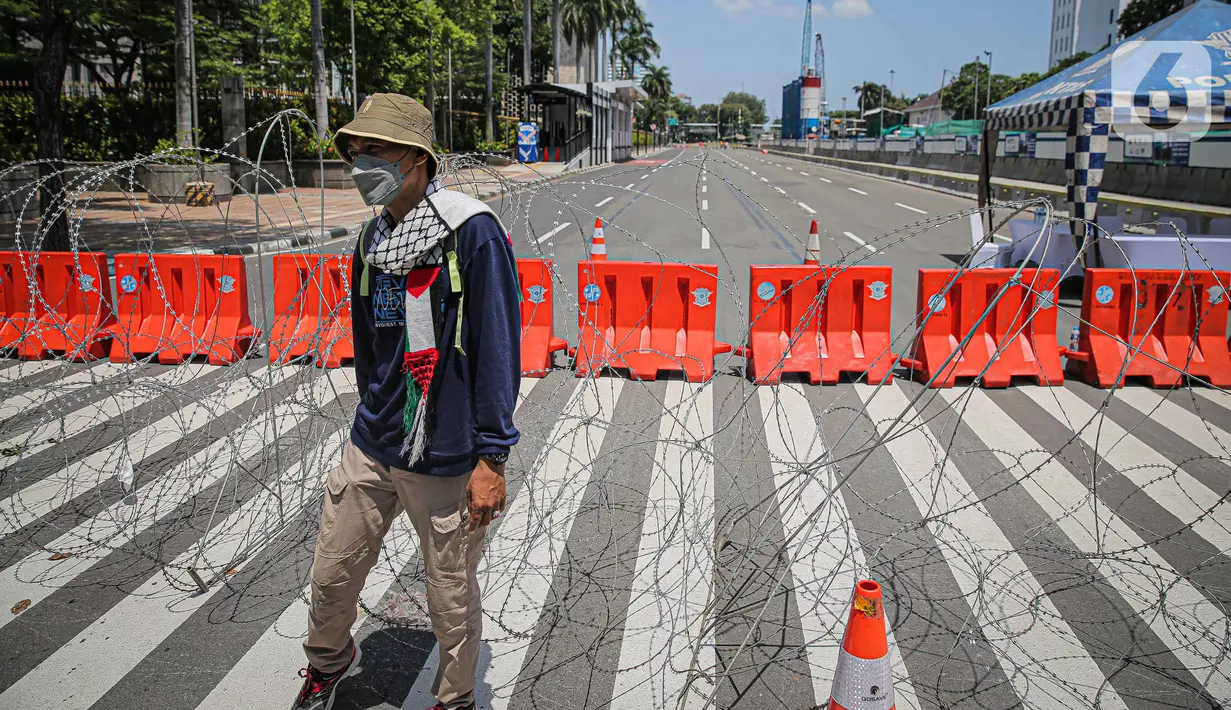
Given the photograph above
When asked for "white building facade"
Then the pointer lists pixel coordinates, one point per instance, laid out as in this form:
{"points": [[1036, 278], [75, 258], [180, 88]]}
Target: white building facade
{"points": [[1082, 26]]}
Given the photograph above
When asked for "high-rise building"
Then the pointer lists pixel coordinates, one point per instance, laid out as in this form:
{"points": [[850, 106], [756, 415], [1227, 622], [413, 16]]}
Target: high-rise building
{"points": [[1083, 26]]}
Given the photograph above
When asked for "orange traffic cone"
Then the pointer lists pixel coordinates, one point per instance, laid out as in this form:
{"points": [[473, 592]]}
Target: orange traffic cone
{"points": [[814, 246], [598, 245], [863, 678]]}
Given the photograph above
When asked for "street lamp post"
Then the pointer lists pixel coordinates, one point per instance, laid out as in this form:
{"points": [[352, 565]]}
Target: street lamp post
{"points": [[976, 116], [989, 77], [943, 72]]}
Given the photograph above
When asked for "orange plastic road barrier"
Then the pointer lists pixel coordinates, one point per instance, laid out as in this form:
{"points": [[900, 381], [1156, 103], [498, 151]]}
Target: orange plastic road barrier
{"points": [[1016, 339], [864, 677], [814, 245], [18, 313], [71, 300], [178, 306], [598, 243], [647, 317], [538, 334], [1159, 324], [312, 313], [821, 321]]}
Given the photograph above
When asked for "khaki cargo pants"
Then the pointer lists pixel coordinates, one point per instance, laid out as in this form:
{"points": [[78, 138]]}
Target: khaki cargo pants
{"points": [[362, 499]]}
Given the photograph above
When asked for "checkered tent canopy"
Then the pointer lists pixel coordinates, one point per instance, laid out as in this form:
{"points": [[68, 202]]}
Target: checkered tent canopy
{"points": [[1172, 76]]}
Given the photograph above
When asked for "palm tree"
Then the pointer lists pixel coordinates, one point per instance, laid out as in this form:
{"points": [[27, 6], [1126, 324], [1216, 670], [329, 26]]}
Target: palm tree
{"points": [[525, 42], [581, 23], [318, 71], [637, 45], [657, 82]]}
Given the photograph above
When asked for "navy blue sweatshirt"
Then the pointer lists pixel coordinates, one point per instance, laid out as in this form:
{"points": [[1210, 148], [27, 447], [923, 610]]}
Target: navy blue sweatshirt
{"points": [[475, 392]]}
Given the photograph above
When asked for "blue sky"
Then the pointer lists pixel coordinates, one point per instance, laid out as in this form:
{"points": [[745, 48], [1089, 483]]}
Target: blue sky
{"points": [[713, 46]]}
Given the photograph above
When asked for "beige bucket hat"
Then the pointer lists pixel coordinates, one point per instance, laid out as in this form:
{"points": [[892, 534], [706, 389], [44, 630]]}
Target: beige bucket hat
{"points": [[391, 117]]}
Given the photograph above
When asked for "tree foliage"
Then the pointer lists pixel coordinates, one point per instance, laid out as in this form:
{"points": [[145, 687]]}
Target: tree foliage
{"points": [[1140, 14]]}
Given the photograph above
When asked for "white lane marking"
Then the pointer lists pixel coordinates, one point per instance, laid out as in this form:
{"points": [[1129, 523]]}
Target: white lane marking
{"points": [[826, 180], [853, 189], [644, 176], [603, 202], [860, 242], [1010, 606], [518, 567], [705, 204], [705, 189], [655, 170], [790, 168], [1177, 491], [257, 680], [118, 640], [804, 174], [629, 186], [754, 173], [27, 368], [779, 190], [703, 178], [764, 179], [74, 382], [37, 577], [1136, 570], [825, 557], [81, 476], [705, 238], [912, 209], [810, 210], [1001, 238], [554, 231], [143, 389], [671, 586]]}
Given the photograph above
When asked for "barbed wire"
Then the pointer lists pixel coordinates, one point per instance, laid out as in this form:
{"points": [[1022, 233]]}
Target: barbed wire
{"points": [[1091, 565]]}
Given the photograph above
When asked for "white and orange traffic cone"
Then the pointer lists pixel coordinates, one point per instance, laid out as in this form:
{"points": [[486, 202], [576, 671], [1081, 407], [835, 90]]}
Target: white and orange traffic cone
{"points": [[863, 678], [598, 245], [813, 255]]}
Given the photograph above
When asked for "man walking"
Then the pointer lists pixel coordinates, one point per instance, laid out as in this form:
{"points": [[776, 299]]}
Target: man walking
{"points": [[434, 298]]}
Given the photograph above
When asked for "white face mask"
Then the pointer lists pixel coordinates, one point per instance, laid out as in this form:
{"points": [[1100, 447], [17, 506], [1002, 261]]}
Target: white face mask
{"points": [[379, 181]]}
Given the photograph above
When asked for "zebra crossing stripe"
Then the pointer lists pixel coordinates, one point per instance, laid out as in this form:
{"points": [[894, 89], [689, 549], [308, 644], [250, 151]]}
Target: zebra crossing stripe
{"points": [[80, 380], [1095, 530], [665, 634], [263, 677], [1019, 620], [46, 494], [825, 555], [517, 570], [27, 368], [1176, 490], [144, 389], [37, 577], [117, 641], [1196, 430]]}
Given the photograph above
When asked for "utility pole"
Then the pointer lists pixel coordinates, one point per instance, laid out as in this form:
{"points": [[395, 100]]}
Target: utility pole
{"points": [[449, 107], [943, 72], [354, 71]]}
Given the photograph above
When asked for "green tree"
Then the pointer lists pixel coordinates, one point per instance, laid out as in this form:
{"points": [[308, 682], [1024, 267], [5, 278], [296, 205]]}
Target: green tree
{"points": [[1140, 14], [657, 82], [636, 44], [1066, 63]]}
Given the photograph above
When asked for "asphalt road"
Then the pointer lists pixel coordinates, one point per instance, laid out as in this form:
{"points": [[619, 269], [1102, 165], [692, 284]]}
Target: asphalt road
{"points": [[1037, 547]]}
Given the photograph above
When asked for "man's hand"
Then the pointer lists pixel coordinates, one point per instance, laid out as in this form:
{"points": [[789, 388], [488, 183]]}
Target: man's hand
{"points": [[485, 493]]}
